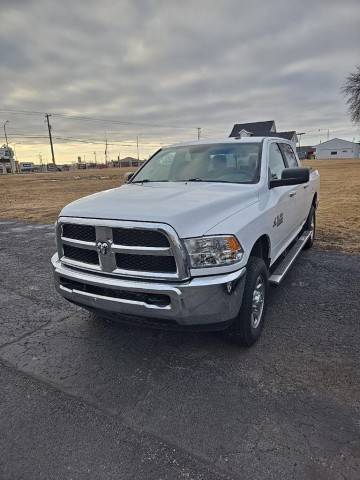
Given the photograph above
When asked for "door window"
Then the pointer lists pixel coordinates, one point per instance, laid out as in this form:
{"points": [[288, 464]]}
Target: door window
{"points": [[276, 162], [289, 155]]}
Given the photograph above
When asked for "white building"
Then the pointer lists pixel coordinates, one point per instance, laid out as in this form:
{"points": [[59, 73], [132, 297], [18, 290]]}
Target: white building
{"points": [[25, 167], [337, 148], [7, 160]]}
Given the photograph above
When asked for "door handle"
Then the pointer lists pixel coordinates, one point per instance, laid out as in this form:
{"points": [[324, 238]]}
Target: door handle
{"points": [[306, 186], [292, 194]]}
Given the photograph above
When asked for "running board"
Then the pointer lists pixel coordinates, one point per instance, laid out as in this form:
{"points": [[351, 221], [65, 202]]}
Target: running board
{"points": [[282, 269]]}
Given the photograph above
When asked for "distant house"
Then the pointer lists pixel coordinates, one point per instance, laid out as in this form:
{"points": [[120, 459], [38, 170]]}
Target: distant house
{"points": [[261, 129], [255, 129], [291, 135], [337, 148]]}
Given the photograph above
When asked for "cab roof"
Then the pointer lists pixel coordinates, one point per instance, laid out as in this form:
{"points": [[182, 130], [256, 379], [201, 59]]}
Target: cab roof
{"points": [[229, 140]]}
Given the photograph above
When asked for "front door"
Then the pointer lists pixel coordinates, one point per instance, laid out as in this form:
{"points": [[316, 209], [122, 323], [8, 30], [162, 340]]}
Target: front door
{"points": [[282, 200]]}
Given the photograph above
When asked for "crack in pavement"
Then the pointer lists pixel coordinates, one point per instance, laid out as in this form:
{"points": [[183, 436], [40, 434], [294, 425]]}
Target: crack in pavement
{"points": [[202, 461], [35, 330]]}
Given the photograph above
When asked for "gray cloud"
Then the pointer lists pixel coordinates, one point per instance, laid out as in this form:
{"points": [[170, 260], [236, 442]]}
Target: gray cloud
{"points": [[186, 63]]}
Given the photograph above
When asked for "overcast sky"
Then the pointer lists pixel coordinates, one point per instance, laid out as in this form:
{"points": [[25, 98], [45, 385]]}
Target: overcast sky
{"points": [[177, 64]]}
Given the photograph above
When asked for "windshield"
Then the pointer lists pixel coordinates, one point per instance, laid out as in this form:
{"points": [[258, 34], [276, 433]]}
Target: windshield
{"points": [[221, 162]]}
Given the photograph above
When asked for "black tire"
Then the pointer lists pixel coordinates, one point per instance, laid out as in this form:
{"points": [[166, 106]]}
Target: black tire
{"points": [[244, 330], [310, 225]]}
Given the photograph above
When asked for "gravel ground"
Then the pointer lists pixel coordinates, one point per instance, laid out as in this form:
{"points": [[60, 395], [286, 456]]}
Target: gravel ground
{"points": [[83, 398]]}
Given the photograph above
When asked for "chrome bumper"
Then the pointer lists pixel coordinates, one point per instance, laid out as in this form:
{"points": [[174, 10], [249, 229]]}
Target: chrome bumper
{"points": [[199, 301]]}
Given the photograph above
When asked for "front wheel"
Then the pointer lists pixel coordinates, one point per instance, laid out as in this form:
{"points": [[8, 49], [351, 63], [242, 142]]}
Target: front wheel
{"points": [[249, 323]]}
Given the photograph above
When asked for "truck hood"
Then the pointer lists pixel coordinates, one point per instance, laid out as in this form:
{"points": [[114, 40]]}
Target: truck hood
{"points": [[190, 208]]}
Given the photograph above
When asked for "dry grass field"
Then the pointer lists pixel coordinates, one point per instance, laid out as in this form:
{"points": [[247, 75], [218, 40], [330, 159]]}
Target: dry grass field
{"points": [[40, 197], [338, 219]]}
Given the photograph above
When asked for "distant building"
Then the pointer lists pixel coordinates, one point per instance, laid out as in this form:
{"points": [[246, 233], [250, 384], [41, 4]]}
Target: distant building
{"points": [[291, 135], [127, 162], [51, 167], [255, 129], [8, 163], [306, 152], [26, 167], [261, 129], [337, 148]]}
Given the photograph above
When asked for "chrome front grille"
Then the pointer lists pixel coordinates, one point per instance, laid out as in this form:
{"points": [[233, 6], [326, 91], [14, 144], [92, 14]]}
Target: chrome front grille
{"points": [[81, 254], [140, 238], [146, 263], [79, 232], [131, 249]]}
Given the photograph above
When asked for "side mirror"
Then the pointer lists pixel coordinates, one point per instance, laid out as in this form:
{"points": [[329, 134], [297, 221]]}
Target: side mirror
{"points": [[128, 176], [291, 176]]}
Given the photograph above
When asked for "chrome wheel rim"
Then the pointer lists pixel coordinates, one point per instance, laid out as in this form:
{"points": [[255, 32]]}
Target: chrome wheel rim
{"points": [[258, 301], [312, 226]]}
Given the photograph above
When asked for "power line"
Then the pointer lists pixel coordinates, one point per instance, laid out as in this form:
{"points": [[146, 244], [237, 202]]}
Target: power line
{"points": [[73, 140], [97, 119], [123, 122]]}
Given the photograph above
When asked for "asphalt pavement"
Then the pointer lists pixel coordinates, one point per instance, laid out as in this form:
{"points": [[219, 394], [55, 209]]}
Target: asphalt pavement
{"points": [[85, 398]]}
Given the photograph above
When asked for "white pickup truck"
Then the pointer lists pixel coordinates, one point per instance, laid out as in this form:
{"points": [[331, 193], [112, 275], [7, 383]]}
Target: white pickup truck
{"points": [[193, 238]]}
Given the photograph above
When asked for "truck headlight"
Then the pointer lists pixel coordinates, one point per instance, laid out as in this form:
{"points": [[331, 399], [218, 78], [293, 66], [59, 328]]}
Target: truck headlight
{"points": [[213, 251]]}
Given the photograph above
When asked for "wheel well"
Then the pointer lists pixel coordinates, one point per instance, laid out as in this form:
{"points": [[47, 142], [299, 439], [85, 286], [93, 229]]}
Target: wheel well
{"points": [[261, 249], [314, 201]]}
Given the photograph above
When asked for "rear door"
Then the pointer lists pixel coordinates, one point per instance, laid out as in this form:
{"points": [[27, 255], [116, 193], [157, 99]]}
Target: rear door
{"points": [[298, 192]]}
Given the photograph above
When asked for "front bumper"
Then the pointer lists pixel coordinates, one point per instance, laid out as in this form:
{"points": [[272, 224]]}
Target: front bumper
{"points": [[207, 300]]}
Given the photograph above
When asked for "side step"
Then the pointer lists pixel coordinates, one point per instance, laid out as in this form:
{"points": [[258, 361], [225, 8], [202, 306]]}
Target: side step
{"points": [[282, 269]]}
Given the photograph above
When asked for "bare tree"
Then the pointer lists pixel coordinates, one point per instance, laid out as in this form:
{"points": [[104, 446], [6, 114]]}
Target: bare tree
{"points": [[351, 90]]}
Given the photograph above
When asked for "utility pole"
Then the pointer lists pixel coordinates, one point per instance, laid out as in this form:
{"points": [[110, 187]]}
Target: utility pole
{"points": [[300, 135], [137, 146], [95, 157], [12, 159], [50, 137], [198, 132], [6, 139], [106, 149]]}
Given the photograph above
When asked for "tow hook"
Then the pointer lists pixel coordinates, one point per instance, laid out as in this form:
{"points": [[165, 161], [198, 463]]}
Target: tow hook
{"points": [[230, 287]]}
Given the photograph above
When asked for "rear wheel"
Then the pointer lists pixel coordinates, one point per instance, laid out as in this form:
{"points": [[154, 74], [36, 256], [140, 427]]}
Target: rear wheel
{"points": [[310, 225], [249, 323]]}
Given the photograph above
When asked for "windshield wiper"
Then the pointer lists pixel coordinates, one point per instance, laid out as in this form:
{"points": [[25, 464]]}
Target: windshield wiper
{"points": [[206, 180], [146, 180]]}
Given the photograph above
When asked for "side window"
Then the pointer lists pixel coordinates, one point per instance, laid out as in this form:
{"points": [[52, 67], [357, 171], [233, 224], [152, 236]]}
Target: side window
{"points": [[276, 162], [289, 155]]}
